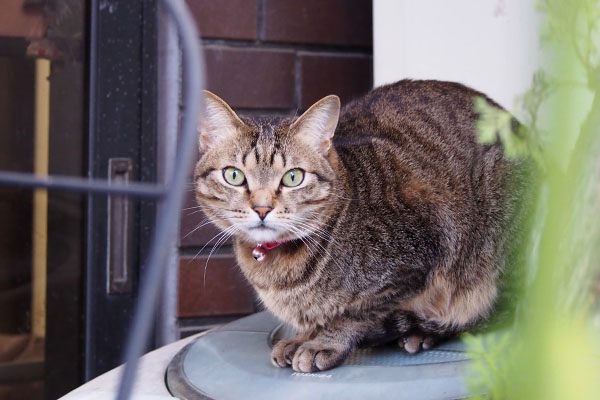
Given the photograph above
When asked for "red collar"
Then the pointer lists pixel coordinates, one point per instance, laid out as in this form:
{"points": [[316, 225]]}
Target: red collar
{"points": [[270, 245], [260, 251]]}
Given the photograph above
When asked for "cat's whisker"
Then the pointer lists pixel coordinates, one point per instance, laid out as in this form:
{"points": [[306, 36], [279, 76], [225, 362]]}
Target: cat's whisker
{"points": [[317, 216], [218, 235], [205, 209], [317, 231], [331, 258], [341, 197], [324, 235], [306, 236], [301, 237], [313, 215], [327, 253], [228, 233], [190, 208], [197, 210], [203, 223], [307, 244], [306, 223], [193, 212]]}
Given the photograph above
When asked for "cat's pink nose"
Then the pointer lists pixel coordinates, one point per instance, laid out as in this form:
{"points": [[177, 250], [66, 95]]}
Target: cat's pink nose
{"points": [[262, 211]]}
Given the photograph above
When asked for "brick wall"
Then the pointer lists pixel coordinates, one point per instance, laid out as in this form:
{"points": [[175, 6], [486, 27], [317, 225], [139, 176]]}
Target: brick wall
{"points": [[266, 57]]}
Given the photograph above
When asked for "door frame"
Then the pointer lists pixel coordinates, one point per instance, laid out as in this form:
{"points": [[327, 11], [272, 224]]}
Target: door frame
{"points": [[122, 124]]}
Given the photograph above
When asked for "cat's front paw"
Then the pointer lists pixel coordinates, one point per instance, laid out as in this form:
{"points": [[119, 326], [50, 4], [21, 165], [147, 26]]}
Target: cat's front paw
{"points": [[283, 352], [314, 356]]}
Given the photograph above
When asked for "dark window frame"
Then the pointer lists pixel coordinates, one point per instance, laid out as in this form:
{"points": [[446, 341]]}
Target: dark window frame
{"points": [[122, 123]]}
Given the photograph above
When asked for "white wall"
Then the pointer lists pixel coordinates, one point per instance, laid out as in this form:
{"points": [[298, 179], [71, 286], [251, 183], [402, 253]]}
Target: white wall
{"points": [[490, 45]]}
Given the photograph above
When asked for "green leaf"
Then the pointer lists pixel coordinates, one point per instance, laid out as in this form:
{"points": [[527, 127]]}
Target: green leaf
{"points": [[495, 125]]}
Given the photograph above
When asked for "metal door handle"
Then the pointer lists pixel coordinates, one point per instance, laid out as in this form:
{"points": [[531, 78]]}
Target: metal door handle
{"points": [[119, 279]]}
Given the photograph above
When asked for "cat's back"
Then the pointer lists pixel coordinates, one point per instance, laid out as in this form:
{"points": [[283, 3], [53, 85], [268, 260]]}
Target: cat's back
{"points": [[412, 107], [425, 128]]}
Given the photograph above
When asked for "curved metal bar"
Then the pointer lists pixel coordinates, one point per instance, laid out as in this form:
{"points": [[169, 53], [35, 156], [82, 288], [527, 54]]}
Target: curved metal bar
{"points": [[193, 73], [88, 185]]}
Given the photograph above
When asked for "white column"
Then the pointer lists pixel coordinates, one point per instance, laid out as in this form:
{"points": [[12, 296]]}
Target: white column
{"points": [[490, 45]]}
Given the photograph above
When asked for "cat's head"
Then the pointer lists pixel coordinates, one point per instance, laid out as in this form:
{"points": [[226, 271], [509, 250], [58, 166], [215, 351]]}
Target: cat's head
{"points": [[267, 179]]}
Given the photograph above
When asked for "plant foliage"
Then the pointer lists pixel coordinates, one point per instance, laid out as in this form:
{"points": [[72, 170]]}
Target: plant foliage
{"points": [[553, 349]]}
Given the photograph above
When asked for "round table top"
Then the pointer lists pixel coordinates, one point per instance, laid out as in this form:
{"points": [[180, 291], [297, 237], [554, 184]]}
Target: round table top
{"points": [[233, 362]]}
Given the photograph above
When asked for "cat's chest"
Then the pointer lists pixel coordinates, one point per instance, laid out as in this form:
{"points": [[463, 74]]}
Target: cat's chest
{"points": [[296, 293], [304, 309]]}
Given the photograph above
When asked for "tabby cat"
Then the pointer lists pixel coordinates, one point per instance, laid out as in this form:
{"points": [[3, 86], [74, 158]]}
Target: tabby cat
{"points": [[382, 221]]}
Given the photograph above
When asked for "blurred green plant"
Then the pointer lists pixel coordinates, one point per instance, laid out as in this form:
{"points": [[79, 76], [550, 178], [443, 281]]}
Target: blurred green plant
{"points": [[553, 349]]}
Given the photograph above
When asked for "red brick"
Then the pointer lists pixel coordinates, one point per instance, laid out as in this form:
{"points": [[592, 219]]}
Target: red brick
{"points": [[334, 22], [191, 217], [227, 19], [16, 21], [251, 78], [347, 76], [225, 291]]}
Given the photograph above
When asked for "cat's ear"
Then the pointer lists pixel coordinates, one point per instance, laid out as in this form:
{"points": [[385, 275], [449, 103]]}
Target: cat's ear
{"points": [[317, 125], [218, 123]]}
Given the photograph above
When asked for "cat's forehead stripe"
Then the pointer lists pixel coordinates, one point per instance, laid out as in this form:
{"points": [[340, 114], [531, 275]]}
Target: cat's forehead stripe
{"points": [[245, 159], [267, 145], [277, 160], [263, 150]]}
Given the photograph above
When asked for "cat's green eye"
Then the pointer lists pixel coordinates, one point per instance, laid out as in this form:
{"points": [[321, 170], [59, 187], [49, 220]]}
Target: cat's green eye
{"points": [[293, 177], [234, 176]]}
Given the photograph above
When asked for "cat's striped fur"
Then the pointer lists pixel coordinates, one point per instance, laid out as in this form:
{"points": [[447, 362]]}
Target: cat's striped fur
{"points": [[399, 229]]}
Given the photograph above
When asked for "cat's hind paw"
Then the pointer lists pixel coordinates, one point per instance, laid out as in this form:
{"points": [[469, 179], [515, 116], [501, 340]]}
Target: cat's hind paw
{"points": [[416, 342]]}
